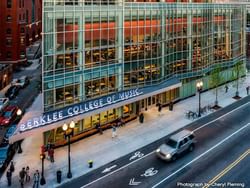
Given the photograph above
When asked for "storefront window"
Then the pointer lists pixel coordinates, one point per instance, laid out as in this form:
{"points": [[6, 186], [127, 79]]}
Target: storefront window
{"points": [[78, 128], [126, 110], [111, 115], [95, 119], [104, 117], [87, 123], [59, 134]]}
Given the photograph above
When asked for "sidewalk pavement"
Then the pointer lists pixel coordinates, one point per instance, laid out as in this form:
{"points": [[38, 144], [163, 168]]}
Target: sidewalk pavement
{"points": [[102, 149]]}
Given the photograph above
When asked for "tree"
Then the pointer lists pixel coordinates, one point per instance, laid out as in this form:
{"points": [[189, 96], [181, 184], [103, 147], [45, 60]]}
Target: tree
{"points": [[215, 80], [237, 71]]}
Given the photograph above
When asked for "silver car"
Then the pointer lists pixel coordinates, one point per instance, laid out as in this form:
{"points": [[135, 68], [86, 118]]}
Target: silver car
{"points": [[175, 145]]}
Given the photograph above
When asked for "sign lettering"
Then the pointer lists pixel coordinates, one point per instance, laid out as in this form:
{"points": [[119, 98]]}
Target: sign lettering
{"points": [[77, 109]]}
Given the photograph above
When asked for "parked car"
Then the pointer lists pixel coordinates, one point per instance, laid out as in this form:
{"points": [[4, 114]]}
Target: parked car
{"points": [[3, 157], [12, 92], [6, 155], [7, 135], [3, 103], [22, 81], [9, 115], [175, 145]]}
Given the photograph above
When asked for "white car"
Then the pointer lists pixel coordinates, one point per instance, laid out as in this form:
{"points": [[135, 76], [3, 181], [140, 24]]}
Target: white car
{"points": [[22, 81], [3, 103], [176, 144]]}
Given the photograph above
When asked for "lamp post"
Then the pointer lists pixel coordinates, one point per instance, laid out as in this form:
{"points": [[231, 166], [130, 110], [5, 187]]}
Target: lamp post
{"points": [[199, 85], [19, 113], [42, 181], [68, 132]]}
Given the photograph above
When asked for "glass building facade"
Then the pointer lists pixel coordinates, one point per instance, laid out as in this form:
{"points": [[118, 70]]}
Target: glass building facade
{"points": [[95, 48]]}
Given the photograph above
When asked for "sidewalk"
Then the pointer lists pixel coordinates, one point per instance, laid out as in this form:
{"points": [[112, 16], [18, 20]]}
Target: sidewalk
{"points": [[102, 149]]}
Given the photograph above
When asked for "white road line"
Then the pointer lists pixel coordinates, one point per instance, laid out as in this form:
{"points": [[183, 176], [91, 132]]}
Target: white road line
{"points": [[154, 151], [221, 116], [215, 146], [117, 169]]}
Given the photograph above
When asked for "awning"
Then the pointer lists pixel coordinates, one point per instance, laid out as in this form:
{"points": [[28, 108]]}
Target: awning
{"points": [[34, 121]]}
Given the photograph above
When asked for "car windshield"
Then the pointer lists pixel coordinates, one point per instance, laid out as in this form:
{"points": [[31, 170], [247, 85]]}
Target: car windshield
{"points": [[7, 114], [171, 143]]}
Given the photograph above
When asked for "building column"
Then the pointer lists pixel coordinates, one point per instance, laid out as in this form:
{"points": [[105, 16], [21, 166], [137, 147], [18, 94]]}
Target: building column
{"points": [[228, 40], [243, 31], [120, 44], [81, 57], [163, 39], [189, 38]]}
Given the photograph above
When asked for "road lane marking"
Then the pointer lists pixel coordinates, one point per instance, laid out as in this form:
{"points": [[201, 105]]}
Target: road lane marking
{"points": [[122, 167], [195, 159], [133, 182], [221, 116], [109, 169], [227, 169], [150, 172], [137, 154]]}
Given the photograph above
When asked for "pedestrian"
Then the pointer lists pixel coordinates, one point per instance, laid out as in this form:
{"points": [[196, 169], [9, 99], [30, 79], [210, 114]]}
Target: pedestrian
{"points": [[36, 178], [159, 108], [247, 88], [12, 168], [51, 154], [141, 118], [98, 127], [8, 175], [22, 174], [226, 88], [114, 134], [27, 173]]}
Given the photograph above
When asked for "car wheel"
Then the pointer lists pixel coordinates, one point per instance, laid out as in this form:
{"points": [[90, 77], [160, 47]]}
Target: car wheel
{"points": [[174, 157], [191, 148]]}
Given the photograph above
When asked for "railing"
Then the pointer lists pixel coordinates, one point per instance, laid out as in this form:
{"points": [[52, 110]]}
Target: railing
{"points": [[194, 114]]}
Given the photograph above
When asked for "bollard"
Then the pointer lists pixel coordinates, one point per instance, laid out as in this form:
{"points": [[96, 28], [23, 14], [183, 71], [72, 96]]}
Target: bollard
{"points": [[59, 176], [90, 162]]}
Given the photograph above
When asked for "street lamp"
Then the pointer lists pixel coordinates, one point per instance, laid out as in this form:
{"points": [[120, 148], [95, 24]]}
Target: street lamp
{"points": [[199, 85], [68, 132], [19, 113], [42, 181]]}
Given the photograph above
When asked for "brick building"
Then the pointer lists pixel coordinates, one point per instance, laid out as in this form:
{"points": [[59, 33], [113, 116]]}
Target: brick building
{"points": [[5, 75], [20, 22]]}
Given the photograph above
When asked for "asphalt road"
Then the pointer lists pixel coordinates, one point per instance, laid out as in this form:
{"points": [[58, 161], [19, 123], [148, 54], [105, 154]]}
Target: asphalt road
{"points": [[26, 95], [219, 144]]}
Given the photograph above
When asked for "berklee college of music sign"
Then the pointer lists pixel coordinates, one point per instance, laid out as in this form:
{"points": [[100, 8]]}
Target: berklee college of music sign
{"points": [[77, 109]]}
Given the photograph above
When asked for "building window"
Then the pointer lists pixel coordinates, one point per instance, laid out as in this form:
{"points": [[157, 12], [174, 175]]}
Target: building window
{"points": [[20, 17], [22, 55], [8, 42], [8, 55], [9, 18], [27, 16], [9, 3], [8, 31], [22, 40], [22, 30], [20, 3]]}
